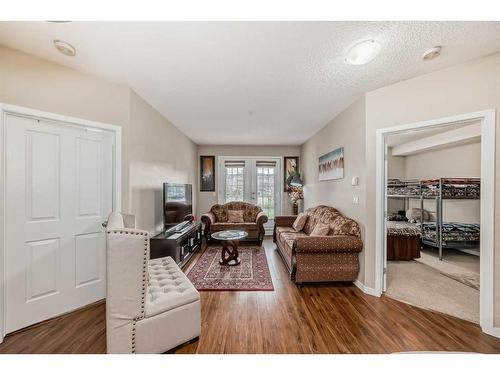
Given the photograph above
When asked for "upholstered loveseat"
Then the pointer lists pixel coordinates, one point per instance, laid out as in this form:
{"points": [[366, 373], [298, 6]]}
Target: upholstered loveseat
{"points": [[218, 219], [333, 257]]}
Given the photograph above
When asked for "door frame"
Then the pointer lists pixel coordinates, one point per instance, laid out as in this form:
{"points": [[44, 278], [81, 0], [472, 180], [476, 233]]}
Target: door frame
{"points": [[487, 244], [62, 120], [279, 164]]}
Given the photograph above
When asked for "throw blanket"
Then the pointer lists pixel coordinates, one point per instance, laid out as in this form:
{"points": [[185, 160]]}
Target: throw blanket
{"points": [[403, 228]]}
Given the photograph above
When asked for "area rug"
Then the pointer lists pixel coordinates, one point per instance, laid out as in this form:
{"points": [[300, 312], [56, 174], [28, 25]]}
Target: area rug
{"points": [[252, 274], [469, 279]]}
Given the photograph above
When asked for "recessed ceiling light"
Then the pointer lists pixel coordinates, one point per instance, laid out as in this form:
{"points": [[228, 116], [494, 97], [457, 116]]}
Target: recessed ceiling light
{"points": [[363, 52], [431, 53], [64, 47]]}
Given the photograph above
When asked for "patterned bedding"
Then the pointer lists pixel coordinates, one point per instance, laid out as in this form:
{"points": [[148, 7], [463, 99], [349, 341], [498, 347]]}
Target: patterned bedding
{"points": [[398, 187], [453, 188], [402, 228], [453, 232]]}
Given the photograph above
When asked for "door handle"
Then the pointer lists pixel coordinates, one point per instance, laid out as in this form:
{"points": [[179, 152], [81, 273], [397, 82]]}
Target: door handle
{"points": [[104, 224]]}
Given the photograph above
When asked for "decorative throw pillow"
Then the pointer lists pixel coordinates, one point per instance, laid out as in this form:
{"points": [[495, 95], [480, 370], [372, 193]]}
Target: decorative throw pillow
{"points": [[320, 230], [235, 216], [220, 213], [299, 222], [413, 215]]}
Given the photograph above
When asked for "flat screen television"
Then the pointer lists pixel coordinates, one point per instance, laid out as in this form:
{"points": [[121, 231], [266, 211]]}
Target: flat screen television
{"points": [[177, 203]]}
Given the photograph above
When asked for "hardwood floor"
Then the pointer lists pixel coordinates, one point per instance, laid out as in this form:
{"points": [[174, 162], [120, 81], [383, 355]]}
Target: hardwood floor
{"points": [[330, 318]]}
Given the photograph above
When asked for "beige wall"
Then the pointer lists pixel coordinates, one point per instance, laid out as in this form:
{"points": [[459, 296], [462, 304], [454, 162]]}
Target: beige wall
{"points": [[396, 168], [346, 130], [468, 87], [157, 152], [459, 161], [162, 153], [207, 199]]}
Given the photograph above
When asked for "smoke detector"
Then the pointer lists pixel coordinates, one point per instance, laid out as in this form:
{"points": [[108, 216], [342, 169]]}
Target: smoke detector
{"points": [[65, 48], [431, 53]]}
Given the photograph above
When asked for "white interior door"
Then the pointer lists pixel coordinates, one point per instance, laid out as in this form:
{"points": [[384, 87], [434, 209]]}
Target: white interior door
{"points": [[255, 180], [58, 192]]}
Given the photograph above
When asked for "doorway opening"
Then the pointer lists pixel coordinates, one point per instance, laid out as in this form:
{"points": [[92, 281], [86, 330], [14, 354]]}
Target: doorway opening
{"points": [[435, 210], [433, 219]]}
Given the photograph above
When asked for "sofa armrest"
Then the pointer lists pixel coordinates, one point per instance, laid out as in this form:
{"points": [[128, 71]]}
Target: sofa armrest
{"points": [[328, 244], [208, 219], [284, 221], [261, 218]]}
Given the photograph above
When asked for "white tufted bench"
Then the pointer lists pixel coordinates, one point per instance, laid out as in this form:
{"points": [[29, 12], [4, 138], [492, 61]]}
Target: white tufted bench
{"points": [[151, 306], [168, 287]]}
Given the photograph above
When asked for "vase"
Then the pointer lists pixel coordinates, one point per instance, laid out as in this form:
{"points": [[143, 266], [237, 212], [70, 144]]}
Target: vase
{"points": [[295, 207]]}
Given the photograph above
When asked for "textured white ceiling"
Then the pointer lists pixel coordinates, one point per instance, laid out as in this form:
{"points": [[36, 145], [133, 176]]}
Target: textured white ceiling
{"points": [[251, 82]]}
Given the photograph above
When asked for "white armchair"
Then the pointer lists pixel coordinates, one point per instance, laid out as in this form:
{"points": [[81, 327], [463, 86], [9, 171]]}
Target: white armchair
{"points": [[151, 306]]}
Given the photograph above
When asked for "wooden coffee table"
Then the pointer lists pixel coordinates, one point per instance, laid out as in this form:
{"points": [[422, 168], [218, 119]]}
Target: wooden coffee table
{"points": [[230, 241]]}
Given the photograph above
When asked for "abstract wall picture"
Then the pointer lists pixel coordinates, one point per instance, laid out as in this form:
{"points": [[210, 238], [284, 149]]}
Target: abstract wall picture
{"points": [[207, 173], [331, 165]]}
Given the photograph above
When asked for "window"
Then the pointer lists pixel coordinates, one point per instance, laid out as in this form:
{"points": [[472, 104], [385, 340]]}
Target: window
{"points": [[265, 187], [234, 181]]}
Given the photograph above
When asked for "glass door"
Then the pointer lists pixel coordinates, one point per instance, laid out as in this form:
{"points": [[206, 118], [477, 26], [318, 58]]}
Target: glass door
{"points": [[255, 180]]}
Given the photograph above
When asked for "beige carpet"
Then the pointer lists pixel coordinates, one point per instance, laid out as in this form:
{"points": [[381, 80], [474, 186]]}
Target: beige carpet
{"points": [[418, 284], [454, 261], [460, 266]]}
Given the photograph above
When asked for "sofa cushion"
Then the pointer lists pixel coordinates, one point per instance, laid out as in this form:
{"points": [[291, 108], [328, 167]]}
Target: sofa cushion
{"points": [[234, 226], [284, 229], [320, 230], [220, 212], [344, 226], [235, 216], [300, 221], [250, 211], [168, 287], [319, 214], [289, 237]]}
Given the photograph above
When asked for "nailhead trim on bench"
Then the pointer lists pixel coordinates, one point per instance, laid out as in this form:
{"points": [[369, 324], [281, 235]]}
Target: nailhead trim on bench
{"points": [[144, 279]]}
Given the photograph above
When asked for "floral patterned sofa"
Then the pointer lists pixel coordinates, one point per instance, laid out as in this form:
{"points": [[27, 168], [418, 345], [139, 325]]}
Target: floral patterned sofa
{"points": [[333, 257], [217, 219]]}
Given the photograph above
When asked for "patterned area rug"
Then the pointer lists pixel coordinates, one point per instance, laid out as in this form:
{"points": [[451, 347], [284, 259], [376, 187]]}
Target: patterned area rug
{"points": [[251, 274]]}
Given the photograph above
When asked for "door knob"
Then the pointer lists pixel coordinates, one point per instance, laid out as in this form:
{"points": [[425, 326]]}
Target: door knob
{"points": [[104, 224]]}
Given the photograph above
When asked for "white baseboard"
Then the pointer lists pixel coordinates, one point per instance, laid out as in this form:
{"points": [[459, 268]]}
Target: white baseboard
{"points": [[365, 289], [492, 331]]}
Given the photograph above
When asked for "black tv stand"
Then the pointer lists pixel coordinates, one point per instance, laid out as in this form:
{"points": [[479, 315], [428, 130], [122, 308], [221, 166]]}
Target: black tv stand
{"points": [[179, 228], [180, 243]]}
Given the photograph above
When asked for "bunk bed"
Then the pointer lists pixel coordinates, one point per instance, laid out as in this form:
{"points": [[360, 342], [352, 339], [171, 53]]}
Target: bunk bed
{"points": [[439, 234], [403, 237]]}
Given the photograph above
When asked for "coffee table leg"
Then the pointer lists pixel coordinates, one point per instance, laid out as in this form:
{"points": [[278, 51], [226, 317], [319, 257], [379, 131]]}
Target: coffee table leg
{"points": [[232, 258]]}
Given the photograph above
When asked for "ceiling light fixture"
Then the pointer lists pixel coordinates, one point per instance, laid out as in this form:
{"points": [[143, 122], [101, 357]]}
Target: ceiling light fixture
{"points": [[65, 48], [431, 53], [363, 52]]}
